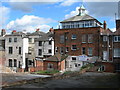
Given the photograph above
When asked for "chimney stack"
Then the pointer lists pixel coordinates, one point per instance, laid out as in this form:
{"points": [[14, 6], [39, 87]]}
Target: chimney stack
{"points": [[51, 30], [104, 25], [37, 30], [14, 31], [3, 32]]}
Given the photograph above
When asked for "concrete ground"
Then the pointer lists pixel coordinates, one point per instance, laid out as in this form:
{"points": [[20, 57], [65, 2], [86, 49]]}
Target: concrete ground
{"points": [[86, 80], [8, 78]]}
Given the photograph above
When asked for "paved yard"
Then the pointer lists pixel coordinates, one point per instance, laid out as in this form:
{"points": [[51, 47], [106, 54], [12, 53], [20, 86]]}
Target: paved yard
{"points": [[86, 80], [15, 77]]}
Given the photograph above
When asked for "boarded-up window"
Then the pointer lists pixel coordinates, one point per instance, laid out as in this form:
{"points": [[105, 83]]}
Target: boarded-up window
{"points": [[84, 38], [90, 38]]}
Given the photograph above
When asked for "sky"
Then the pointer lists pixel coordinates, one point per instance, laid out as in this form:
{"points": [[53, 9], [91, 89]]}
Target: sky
{"points": [[21, 15]]}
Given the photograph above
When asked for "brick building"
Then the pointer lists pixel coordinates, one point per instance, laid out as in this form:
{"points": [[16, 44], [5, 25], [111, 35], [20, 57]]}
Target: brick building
{"points": [[79, 35], [116, 46]]}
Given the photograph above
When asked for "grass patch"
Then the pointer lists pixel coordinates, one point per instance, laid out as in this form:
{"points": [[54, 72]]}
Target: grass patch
{"points": [[47, 72]]}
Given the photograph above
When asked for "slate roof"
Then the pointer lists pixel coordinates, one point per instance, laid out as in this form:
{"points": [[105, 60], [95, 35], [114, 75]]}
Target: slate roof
{"points": [[35, 33], [45, 37], [79, 18]]}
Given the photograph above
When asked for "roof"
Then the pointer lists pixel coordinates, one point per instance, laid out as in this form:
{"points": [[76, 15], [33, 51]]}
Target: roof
{"points": [[106, 32], [79, 18], [35, 33], [16, 34], [45, 37], [56, 58], [117, 32]]}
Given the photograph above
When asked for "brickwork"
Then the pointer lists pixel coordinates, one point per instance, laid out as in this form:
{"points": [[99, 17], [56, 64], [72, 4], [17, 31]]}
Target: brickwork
{"points": [[78, 32]]}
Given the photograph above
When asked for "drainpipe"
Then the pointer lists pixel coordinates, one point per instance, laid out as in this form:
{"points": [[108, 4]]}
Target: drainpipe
{"points": [[108, 46]]}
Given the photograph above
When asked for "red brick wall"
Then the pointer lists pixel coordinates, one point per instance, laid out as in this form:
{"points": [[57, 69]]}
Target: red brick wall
{"points": [[79, 32], [38, 67], [61, 65], [109, 67], [55, 65]]}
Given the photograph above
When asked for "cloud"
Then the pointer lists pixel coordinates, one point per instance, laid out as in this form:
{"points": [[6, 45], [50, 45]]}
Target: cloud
{"points": [[26, 6], [4, 15], [113, 29], [30, 23], [73, 13], [102, 9], [69, 2]]}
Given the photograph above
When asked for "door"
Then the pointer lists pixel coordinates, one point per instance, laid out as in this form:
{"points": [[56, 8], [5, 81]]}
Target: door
{"points": [[26, 64]]}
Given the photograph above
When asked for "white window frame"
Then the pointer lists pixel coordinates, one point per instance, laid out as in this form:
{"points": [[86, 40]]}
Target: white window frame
{"points": [[72, 48], [117, 50], [105, 38], [116, 38]]}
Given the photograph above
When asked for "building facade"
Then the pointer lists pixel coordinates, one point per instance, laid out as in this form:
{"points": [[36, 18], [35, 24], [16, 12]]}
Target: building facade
{"points": [[79, 35], [16, 48]]}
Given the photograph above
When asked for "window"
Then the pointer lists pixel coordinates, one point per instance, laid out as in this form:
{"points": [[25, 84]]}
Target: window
{"points": [[90, 38], [10, 50], [84, 38], [29, 62], [20, 50], [50, 42], [90, 51], [73, 58], [10, 62], [61, 50], [62, 39], [15, 63], [117, 52], [50, 65], [56, 49], [49, 51], [67, 49], [76, 65], [15, 39], [74, 47], [10, 39], [116, 38], [83, 50], [40, 43], [39, 52], [74, 36], [30, 40], [105, 38]]}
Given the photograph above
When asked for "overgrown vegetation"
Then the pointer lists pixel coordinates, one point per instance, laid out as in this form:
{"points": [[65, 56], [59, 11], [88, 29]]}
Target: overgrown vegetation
{"points": [[47, 72], [87, 66]]}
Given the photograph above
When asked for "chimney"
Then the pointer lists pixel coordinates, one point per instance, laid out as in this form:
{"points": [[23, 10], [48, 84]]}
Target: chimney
{"points": [[117, 24], [37, 30], [104, 25], [3, 32], [14, 31], [51, 30]]}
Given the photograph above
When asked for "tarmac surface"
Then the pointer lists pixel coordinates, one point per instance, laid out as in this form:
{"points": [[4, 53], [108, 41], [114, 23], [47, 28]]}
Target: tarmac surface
{"points": [[85, 80]]}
